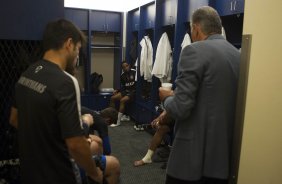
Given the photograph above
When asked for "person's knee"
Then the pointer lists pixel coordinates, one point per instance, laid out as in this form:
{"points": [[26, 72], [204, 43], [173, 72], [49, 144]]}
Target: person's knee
{"points": [[113, 166], [97, 139], [124, 100], [113, 98], [94, 148]]}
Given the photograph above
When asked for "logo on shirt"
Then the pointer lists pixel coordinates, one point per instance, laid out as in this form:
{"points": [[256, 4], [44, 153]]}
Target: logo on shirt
{"points": [[37, 69], [129, 83], [34, 85]]}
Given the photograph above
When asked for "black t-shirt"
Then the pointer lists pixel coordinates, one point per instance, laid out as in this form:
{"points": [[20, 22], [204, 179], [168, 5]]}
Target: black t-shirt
{"points": [[99, 123], [127, 80], [48, 103]]}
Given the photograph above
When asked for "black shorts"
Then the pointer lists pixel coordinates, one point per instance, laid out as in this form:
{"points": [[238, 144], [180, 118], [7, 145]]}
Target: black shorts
{"points": [[128, 93], [100, 161]]}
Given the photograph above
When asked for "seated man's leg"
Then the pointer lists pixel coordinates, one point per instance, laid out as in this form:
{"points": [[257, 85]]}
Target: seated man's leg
{"points": [[115, 98], [96, 145], [110, 167], [122, 103], [155, 142], [112, 170]]}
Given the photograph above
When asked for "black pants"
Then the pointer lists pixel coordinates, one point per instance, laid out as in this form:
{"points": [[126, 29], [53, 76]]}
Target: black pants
{"points": [[205, 180]]}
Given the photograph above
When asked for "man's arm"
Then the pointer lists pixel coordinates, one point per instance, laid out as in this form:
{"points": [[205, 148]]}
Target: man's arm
{"points": [[190, 73], [14, 117], [80, 151]]}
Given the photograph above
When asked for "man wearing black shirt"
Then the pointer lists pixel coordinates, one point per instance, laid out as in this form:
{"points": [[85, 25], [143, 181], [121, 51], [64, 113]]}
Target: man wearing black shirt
{"points": [[101, 121], [47, 112], [126, 92]]}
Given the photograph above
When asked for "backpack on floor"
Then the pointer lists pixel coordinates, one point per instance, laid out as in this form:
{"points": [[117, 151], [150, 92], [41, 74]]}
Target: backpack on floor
{"points": [[95, 82]]}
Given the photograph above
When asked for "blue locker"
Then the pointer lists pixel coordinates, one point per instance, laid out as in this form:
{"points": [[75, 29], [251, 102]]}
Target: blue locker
{"points": [[26, 20], [105, 21], [133, 18], [195, 4], [228, 7], [113, 22], [149, 12], [78, 17], [98, 20], [169, 11]]}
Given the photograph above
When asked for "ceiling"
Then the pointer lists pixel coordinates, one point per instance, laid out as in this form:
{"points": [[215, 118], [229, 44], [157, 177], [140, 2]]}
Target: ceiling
{"points": [[113, 5]]}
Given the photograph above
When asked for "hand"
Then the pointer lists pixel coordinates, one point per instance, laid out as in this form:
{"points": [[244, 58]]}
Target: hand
{"points": [[88, 119], [160, 120], [155, 123], [164, 92]]}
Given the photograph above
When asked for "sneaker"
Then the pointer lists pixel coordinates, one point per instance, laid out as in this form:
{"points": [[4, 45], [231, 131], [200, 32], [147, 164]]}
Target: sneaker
{"points": [[141, 127], [125, 118], [136, 127], [114, 125]]}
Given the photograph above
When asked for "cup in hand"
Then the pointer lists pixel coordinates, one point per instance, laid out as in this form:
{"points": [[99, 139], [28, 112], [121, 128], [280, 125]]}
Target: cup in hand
{"points": [[166, 86]]}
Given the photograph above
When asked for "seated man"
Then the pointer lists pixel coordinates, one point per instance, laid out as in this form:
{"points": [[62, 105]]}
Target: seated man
{"points": [[92, 120], [127, 91], [161, 131], [109, 165], [101, 121]]}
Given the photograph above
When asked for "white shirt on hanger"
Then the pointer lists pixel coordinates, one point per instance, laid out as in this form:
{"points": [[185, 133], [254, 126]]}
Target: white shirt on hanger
{"points": [[186, 41], [146, 59], [163, 62], [223, 32]]}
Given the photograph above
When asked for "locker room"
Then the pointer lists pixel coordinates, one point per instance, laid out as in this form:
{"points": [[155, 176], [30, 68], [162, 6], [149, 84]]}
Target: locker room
{"points": [[121, 125]]}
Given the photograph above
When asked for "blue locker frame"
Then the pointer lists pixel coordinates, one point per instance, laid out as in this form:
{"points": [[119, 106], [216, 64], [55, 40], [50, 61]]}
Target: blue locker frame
{"points": [[133, 24], [147, 24]]}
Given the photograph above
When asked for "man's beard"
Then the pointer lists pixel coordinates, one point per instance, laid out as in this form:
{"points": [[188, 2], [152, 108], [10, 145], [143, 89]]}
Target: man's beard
{"points": [[70, 68]]}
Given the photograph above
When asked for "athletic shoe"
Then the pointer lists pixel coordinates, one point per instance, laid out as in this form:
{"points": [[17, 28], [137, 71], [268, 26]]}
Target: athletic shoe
{"points": [[115, 125], [125, 118]]}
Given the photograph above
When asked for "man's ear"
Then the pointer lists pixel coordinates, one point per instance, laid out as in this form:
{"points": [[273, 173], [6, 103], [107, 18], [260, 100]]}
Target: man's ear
{"points": [[196, 28], [68, 43]]}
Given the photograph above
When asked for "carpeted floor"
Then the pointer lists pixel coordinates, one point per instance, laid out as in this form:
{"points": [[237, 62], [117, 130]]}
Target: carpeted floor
{"points": [[129, 145]]}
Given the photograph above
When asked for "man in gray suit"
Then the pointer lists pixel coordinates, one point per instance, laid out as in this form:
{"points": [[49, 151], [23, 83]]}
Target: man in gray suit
{"points": [[203, 104]]}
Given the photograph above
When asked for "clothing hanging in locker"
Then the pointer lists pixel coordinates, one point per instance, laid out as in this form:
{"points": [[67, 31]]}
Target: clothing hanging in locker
{"points": [[163, 63], [146, 59], [186, 41], [223, 32]]}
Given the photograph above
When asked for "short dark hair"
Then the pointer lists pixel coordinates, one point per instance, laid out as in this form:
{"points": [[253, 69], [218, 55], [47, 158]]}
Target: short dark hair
{"points": [[110, 113], [124, 62], [57, 32], [208, 19]]}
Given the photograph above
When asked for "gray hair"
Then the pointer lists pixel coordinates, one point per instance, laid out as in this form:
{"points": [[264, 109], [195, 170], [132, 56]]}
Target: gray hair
{"points": [[208, 19]]}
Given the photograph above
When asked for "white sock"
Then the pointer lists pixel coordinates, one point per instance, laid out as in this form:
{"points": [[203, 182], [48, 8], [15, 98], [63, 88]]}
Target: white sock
{"points": [[119, 118], [148, 156]]}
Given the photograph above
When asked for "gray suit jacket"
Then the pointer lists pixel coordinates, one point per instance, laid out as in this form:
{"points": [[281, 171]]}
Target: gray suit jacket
{"points": [[204, 107]]}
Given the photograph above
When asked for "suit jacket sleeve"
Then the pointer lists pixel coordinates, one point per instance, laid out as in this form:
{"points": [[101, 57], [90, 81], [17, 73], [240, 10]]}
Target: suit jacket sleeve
{"points": [[190, 73]]}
